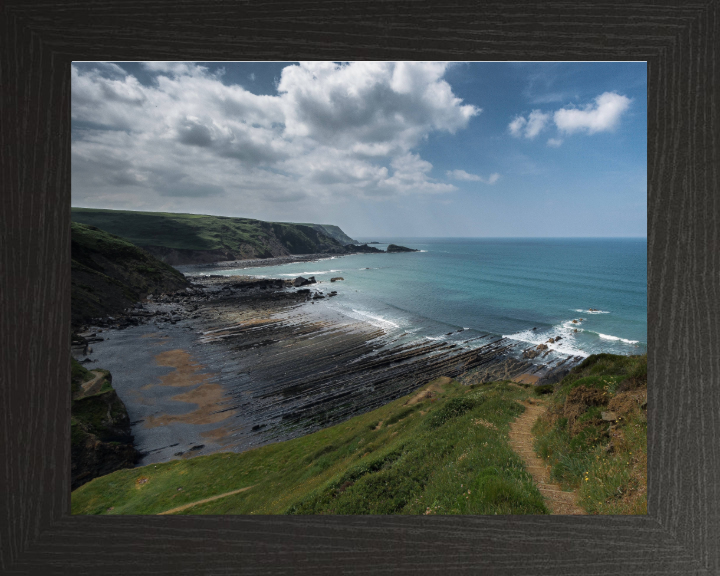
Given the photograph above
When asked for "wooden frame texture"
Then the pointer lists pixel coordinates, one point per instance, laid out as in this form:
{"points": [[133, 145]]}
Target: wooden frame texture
{"points": [[681, 43]]}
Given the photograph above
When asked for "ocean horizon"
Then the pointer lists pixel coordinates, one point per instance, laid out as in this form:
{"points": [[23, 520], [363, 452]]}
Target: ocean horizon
{"points": [[592, 292]]}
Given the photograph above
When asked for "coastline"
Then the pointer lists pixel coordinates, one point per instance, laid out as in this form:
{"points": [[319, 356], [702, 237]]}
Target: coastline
{"points": [[255, 262], [235, 363]]}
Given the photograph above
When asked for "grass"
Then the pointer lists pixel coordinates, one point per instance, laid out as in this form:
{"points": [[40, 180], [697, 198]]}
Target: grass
{"points": [[442, 450], [446, 454], [605, 461], [205, 232]]}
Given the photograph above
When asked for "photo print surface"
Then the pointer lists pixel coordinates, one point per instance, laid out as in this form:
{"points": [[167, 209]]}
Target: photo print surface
{"points": [[359, 288]]}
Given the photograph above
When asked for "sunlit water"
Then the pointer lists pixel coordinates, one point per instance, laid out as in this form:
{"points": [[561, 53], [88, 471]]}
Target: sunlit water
{"points": [[502, 287]]}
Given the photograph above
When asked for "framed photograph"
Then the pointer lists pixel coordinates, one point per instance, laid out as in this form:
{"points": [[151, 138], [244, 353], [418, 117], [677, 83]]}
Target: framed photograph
{"points": [[359, 309]]}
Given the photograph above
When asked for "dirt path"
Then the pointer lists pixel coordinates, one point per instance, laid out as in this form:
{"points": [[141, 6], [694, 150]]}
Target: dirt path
{"points": [[521, 441], [191, 504]]}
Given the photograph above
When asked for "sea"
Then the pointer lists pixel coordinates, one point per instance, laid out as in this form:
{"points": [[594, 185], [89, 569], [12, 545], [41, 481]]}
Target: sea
{"points": [[591, 292]]}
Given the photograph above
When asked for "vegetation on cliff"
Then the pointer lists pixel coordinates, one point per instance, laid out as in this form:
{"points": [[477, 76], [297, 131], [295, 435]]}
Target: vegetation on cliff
{"points": [[196, 238], [440, 450], [444, 449], [110, 274], [101, 441], [595, 434]]}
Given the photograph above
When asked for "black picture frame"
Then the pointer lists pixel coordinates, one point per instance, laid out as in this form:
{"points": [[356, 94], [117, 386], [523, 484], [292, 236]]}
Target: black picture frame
{"points": [[681, 43]]}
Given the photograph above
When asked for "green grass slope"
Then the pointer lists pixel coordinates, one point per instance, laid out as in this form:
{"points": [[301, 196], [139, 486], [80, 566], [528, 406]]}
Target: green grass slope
{"points": [[109, 274], [441, 450], [595, 433], [193, 238]]}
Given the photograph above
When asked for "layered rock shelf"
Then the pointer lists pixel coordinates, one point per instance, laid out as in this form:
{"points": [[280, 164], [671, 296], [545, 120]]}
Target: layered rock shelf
{"points": [[273, 367]]}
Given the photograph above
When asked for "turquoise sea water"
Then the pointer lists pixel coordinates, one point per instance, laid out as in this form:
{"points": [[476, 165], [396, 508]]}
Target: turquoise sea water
{"points": [[503, 287]]}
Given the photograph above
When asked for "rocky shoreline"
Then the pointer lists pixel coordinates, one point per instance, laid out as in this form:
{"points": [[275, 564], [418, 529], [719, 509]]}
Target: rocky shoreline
{"points": [[231, 363], [291, 259]]}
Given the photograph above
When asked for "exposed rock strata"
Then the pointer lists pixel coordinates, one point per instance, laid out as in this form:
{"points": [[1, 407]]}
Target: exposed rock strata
{"points": [[288, 371]]}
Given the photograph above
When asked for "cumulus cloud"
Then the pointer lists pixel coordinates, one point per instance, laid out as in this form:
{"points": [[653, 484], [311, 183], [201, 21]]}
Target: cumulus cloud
{"points": [[462, 175], [331, 131], [529, 127], [601, 116], [517, 125]]}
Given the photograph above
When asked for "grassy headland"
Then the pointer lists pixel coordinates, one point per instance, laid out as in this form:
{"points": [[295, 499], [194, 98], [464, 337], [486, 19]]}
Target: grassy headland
{"points": [[595, 433], [197, 238], [109, 274], [440, 450]]}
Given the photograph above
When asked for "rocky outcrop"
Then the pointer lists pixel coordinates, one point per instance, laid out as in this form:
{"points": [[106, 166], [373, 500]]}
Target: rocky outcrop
{"points": [[363, 249], [300, 281], [101, 441], [395, 248], [336, 279]]}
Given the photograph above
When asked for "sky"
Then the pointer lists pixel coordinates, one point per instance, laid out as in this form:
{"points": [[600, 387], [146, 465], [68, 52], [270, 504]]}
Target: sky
{"points": [[403, 149]]}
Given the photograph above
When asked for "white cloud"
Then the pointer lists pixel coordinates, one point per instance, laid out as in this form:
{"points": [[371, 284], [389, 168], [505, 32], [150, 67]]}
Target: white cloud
{"points": [[332, 131], [175, 68], [554, 142], [530, 127], [536, 122], [517, 125], [462, 175], [601, 116]]}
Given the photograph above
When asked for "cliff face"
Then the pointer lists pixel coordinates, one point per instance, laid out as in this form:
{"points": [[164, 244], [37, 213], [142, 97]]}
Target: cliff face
{"points": [[109, 274], [101, 437], [334, 232], [198, 239]]}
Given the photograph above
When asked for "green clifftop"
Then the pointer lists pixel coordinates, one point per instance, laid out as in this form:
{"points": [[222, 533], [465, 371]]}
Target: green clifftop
{"points": [[197, 238], [443, 449]]}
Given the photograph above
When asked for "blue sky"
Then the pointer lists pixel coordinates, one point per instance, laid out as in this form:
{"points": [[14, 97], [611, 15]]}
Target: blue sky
{"points": [[378, 148]]}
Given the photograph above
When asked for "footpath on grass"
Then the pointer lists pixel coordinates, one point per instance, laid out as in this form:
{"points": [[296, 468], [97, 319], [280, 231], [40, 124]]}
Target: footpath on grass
{"points": [[203, 501], [521, 441]]}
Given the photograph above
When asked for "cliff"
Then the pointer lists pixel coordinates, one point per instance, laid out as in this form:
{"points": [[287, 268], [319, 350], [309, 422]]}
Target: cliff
{"points": [[101, 439], [109, 274], [334, 232], [196, 239]]}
